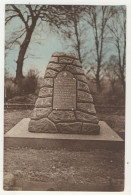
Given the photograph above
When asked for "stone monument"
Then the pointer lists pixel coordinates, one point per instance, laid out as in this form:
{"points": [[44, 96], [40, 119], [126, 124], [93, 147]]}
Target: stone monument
{"points": [[64, 103]]}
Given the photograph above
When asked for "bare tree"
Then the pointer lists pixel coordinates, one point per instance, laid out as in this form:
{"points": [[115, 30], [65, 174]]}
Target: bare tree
{"points": [[30, 16], [117, 28], [73, 30], [111, 71], [97, 18]]}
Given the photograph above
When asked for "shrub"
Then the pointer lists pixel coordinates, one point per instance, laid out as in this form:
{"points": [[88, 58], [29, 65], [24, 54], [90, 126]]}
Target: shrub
{"points": [[10, 89], [29, 83]]}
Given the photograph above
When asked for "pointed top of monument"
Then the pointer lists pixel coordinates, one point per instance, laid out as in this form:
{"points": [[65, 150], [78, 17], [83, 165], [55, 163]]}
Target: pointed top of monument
{"points": [[63, 54]]}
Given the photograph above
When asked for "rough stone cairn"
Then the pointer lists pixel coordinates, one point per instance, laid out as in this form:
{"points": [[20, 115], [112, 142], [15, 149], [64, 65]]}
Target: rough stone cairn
{"points": [[64, 103]]}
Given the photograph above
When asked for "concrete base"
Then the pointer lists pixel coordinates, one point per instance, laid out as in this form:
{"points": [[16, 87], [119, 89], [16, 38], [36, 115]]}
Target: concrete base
{"points": [[19, 136]]}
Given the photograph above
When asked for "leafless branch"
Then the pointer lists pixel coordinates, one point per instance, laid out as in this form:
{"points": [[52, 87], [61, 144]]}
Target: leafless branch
{"points": [[18, 37], [10, 18], [21, 16]]}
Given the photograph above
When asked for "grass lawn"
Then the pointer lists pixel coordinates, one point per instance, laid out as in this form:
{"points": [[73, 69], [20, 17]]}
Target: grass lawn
{"points": [[115, 121], [64, 166], [12, 117]]}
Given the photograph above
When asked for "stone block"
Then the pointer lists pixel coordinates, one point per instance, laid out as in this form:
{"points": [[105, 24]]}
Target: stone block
{"points": [[74, 70], [43, 102], [86, 107], [65, 60], [81, 78], [90, 129], [48, 82], [39, 113], [43, 125], [59, 54], [45, 92], [77, 63], [83, 96], [57, 67], [61, 116], [50, 73], [83, 86], [83, 117], [69, 127], [54, 59]]}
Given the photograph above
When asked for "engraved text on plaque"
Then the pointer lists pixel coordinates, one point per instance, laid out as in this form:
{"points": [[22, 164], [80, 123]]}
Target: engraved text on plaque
{"points": [[64, 96]]}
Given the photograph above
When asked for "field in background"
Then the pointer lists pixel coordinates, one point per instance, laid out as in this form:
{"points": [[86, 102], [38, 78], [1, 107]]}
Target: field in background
{"points": [[109, 95], [114, 119]]}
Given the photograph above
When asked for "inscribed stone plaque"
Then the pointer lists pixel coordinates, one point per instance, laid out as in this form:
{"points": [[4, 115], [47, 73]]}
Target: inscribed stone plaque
{"points": [[64, 96]]}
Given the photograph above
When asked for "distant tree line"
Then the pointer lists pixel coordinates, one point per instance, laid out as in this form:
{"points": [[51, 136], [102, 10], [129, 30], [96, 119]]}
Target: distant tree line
{"points": [[106, 24]]}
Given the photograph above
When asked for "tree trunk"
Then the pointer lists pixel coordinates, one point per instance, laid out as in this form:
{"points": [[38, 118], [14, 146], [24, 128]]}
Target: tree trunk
{"points": [[22, 52], [77, 37], [21, 55], [121, 67], [98, 61], [98, 81], [123, 81]]}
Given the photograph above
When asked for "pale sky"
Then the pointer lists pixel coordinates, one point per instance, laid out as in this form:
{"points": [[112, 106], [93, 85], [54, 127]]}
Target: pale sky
{"points": [[41, 47], [43, 44]]}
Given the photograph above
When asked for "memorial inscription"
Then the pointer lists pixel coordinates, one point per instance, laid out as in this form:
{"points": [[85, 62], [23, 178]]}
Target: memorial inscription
{"points": [[64, 96]]}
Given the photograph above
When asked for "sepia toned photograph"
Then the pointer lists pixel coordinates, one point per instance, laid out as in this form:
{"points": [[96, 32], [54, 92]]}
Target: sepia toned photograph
{"points": [[64, 97]]}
